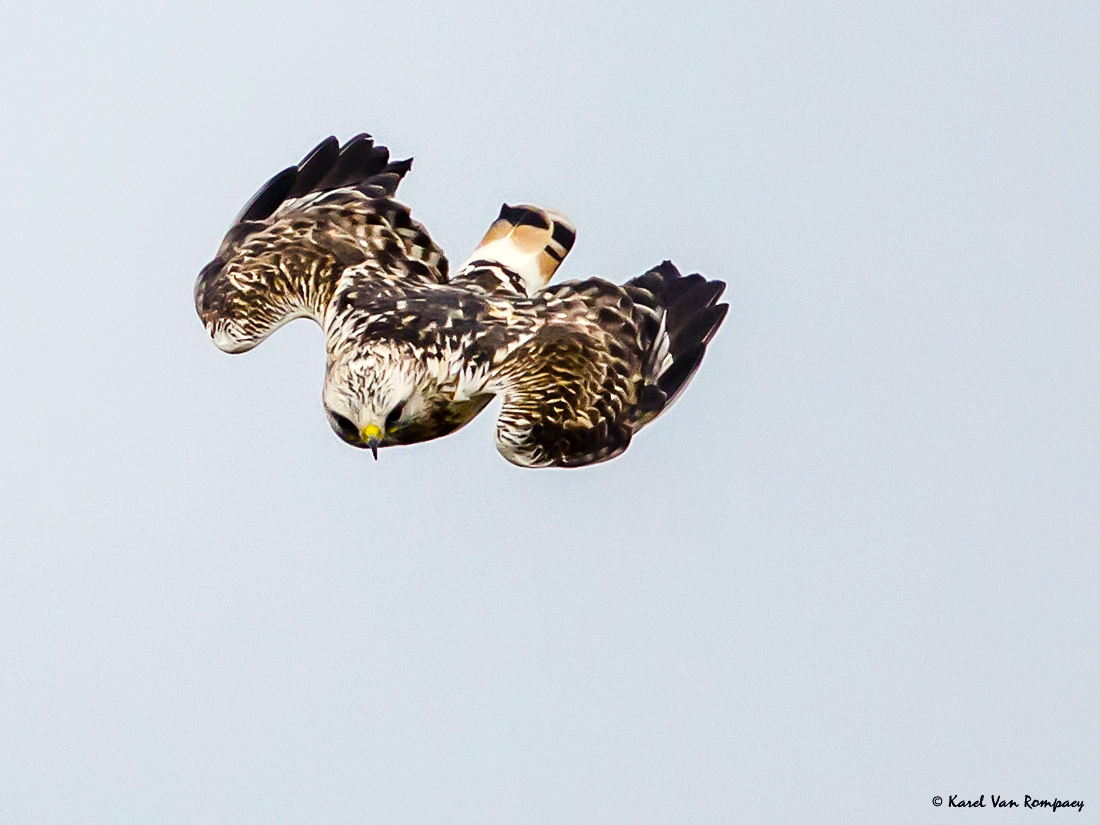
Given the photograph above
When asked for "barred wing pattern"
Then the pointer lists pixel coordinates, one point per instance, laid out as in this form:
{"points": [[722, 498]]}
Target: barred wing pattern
{"points": [[605, 362], [286, 250]]}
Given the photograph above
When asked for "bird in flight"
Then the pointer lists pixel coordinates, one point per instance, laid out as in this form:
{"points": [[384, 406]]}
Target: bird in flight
{"points": [[414, 352]]}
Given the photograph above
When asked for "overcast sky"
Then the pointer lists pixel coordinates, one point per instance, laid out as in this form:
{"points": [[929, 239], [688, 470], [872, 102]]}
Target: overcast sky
{"points": [[855, 567]]}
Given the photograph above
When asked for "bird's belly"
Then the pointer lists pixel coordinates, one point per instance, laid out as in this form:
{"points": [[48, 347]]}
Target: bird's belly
{"points": [[443, 419]]}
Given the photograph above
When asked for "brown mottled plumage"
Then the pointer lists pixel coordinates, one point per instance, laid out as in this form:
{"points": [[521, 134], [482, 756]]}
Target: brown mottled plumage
{"points": [[414, 354]]}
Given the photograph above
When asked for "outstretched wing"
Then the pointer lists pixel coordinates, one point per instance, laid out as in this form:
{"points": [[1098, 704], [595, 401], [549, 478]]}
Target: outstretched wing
{"points": [[290, 244], [605, 361]]}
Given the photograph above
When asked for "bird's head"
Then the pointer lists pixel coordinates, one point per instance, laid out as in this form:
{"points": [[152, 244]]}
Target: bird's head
{"points": [[373, 398]]}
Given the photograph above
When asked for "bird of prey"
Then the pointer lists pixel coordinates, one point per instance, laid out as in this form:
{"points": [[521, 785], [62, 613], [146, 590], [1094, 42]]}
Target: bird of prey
{"points": [[415, 352]]}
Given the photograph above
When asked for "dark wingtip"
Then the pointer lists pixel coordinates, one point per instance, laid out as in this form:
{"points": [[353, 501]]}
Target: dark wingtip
{"points": [[692, 317], [700, 295], [332, 166], [681, 286], [328, 166], [399, 167], [698, 329], [271, 194], [719, 311], [315, 166], [667, 269], [683, 368]]}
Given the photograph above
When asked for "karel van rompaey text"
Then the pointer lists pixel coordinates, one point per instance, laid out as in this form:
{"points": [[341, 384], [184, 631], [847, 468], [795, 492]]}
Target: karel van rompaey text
{"points": [[998, 801]]}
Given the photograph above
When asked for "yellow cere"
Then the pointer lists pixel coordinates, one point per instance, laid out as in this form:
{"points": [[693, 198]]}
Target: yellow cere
{"points": [[371, 431]]}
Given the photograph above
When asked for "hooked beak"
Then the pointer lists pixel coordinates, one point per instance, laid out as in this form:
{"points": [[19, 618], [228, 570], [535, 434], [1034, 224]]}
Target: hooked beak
{"points": [[372, 435]]}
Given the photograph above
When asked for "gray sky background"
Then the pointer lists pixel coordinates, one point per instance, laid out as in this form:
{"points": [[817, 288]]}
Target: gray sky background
{"points": [[856, 566]]}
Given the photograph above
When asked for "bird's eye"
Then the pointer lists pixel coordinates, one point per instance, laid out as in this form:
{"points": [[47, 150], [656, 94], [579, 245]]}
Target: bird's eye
{"points": [[344, 427], [395, 413]]}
